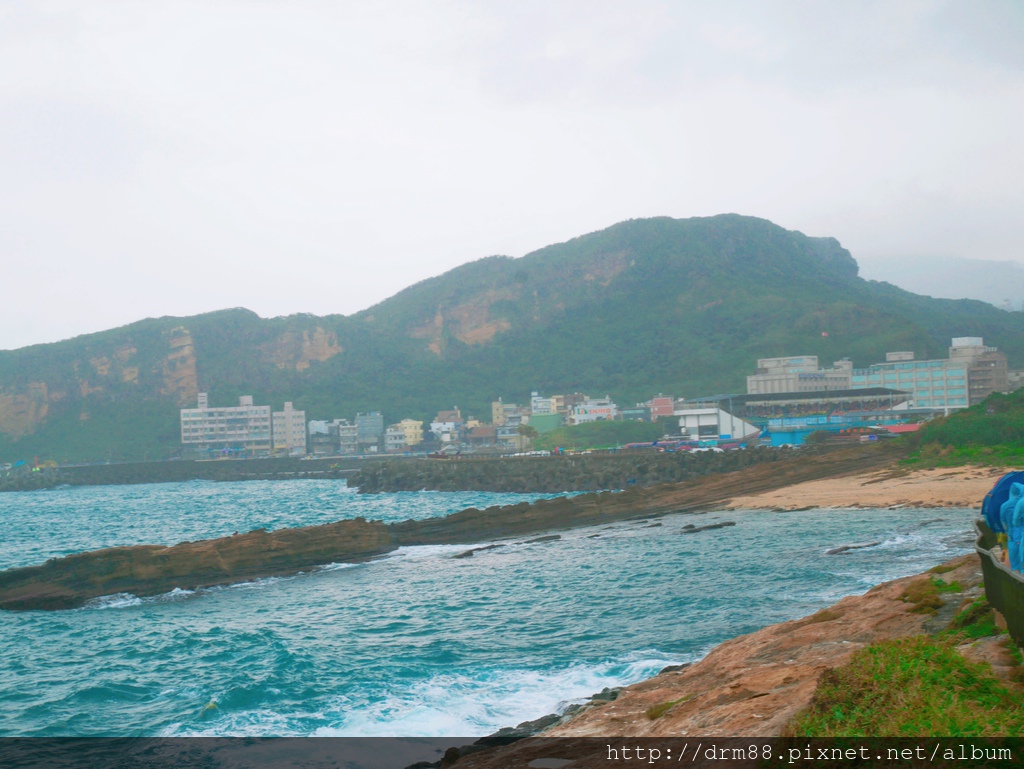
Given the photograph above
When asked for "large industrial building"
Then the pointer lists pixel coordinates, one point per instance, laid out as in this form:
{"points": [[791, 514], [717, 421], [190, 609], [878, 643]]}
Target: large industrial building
{"points": [[788, 418], [970, 374]]}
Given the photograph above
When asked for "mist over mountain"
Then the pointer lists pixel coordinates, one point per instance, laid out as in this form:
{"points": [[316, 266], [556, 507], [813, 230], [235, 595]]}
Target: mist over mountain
{"points": [[950, 277], [681, 306]]}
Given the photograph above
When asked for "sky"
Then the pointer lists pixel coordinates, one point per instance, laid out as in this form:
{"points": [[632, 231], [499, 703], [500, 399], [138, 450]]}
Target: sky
{"points": [[176, 157]]}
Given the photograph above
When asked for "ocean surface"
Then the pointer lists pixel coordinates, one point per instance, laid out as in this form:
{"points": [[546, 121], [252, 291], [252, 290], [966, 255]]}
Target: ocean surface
{"points": [[415, 643]]}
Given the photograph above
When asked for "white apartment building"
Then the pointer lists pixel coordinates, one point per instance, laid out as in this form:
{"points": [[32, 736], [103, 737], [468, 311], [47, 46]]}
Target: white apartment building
{"points": [[289, 428], [394, 439], [541, 405], [245, 426]]}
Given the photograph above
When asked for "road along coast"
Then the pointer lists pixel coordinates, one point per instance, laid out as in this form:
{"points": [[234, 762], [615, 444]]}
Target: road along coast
{"points": [[145, 570]]}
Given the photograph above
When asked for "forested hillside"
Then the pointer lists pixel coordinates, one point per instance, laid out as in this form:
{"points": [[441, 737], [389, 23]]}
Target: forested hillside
{"points": [[681, 306]]}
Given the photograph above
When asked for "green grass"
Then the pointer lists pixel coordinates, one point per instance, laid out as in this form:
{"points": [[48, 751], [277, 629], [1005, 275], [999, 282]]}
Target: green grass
{"points": [[657, 711], [924, 594], [936, 455], [910, 687], [988, 433], [976, 620], [600, 435]]}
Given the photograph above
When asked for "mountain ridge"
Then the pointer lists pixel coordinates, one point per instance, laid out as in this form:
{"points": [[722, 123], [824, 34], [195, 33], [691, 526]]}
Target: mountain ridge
{"points": [[646, 305]]}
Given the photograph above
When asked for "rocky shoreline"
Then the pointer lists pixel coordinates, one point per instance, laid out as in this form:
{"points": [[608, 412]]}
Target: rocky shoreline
{"points": [[749, 686], [146, 570]]}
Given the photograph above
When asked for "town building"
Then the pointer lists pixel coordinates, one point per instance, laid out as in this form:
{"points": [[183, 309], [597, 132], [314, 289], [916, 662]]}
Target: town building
{"points": [[568, 401], [971, 373], [500, 411], [447, 426], [593, 410], [244, 428], [394, 439], [541, 405], [318, 438], [508, 432], [337, 436], [483, 435], [788, 418], [346, 436], [987, 369], [713, 424], [289, 427], [798, 374], [369, 430], [661, 406], [413, 429], [637, 413]]}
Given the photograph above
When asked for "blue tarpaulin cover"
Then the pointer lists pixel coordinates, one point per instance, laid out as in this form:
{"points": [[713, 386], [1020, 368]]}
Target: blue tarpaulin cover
{"points": [[996, 498]]}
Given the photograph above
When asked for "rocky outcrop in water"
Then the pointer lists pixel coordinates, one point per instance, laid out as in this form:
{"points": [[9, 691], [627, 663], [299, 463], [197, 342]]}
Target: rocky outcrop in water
{"points": [[144, 570], [64, 583]]}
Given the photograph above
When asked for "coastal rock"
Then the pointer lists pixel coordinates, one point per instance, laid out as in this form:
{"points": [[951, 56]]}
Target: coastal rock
{"points": [[750, 686], [848, 548], [144, 570], [753, 685], [691, 529]]}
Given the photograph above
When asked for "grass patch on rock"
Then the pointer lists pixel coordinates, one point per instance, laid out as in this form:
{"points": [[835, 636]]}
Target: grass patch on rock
{"points": [[910, 687], [925, 594], [657, 711], [974, 621]]}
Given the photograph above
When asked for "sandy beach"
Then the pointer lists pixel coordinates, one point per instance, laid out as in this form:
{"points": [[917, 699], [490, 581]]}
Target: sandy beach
{"points": [[940, 487]]}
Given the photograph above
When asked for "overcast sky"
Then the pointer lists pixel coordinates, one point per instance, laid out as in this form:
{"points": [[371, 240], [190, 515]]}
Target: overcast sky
{"points": [[172, 157]]}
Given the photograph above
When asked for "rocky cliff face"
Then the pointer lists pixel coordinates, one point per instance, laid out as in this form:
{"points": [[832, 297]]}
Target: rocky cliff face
{"points": [[159, 361]]}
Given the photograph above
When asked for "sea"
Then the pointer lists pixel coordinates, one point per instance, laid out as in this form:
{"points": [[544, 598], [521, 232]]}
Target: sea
{"points": [[415, 643]]}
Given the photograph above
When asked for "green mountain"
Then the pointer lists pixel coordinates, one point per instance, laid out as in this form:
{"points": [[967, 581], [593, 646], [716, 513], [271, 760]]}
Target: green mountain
{"points": [[682, 306]]}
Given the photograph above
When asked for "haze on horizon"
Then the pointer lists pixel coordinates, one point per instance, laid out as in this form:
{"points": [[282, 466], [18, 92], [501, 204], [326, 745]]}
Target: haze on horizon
{"points": [[309, 156]]}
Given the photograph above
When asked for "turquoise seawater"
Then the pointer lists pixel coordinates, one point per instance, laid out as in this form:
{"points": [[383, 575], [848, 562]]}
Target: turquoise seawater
{"points": [[415, 643]]}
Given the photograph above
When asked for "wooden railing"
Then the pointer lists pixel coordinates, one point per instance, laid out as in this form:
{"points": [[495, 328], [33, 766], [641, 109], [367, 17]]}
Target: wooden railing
{"points": [[1004, 587]]}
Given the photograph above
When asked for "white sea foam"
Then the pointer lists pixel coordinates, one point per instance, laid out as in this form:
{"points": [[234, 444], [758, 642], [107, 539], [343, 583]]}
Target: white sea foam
{"points": [[113, 601], [479, 704], [337, 566], [433, 551]]}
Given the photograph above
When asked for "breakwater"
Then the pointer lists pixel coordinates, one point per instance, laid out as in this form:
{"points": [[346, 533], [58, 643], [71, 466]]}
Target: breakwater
{"points": [[145, 570], [554, 474], [126, 473]]}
